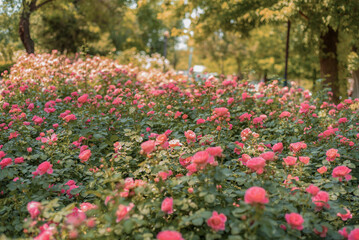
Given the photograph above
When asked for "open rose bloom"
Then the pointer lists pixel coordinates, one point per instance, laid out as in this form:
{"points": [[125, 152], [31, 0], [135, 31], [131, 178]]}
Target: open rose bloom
{"points": [[167, 205], [43, 168], [217, 221], [123, 211], [34, 209], [295, 220], [341, 172], [256, 196]]}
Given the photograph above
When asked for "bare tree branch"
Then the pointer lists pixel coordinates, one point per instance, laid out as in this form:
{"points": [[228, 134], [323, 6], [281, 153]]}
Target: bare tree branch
{"points": [[303, 15]]}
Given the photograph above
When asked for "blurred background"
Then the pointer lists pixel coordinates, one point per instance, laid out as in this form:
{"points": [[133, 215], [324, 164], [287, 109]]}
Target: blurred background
{"points": [[298, 40]]}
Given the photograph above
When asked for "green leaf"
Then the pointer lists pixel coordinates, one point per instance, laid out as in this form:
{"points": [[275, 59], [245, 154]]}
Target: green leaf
{"points": [[128, 226], [210, 198], [197, 221]]}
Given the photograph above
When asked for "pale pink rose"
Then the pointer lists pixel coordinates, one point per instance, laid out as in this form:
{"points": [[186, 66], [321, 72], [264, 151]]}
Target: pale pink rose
{"points": [[34, 209], [122, 211], [256, 195], [148, 146]]}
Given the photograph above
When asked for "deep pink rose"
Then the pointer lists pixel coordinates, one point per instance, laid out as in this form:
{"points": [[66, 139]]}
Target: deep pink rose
{"points": [[167, 205], [217, 221]]}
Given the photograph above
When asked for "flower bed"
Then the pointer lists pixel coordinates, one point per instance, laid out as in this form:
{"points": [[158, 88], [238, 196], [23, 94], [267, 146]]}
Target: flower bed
{"points": [[90, 149]]}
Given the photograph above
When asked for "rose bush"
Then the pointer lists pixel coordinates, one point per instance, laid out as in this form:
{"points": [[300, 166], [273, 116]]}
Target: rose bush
{"points": [[90, 149]]}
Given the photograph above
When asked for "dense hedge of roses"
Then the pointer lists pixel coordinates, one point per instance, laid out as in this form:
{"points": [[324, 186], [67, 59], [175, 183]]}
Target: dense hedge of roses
{"points": [[90, 149]]}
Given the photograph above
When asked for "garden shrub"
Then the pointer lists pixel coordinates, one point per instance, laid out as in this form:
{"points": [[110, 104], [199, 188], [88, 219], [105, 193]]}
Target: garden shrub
{"points": [[90, 149]]}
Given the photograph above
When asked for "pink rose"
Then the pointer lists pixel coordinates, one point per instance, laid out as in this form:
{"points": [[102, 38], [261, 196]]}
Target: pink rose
{"points": [[312, 189], [345, 216], [321, 200], [148, 146], [256, 195], [343, 232], [295, 220], [304, 160], [341, 172], [278, 147], [87, 206], [245, 158], [268, 156], [5, 162], [200, 121], [290, 161], [34, 209], [192, 168], [190, 135], [332, 154], [296, 147], [43, 168], [37, 120], [70, 117], [323, 233], [169, 235], [19, 160], [284, 114], [83, 98], [200, 158], [256, 164], [354, 234], [322, 170], [221, 112], [2, 154], [85, 155], [217, 221], [45, 235], [167, 205], [76, 218], [122, 211], [215, 151]]}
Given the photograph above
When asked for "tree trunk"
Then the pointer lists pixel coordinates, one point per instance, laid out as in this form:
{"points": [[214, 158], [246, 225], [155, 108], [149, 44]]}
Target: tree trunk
{"points": [[287, 55], [24, 31], [265, 77], [239, 72], [222, 66], [328, 58], [355, 93]]}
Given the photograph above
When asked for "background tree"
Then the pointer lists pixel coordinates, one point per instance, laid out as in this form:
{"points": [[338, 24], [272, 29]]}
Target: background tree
{"points": [[9, 40], [324, 19]]}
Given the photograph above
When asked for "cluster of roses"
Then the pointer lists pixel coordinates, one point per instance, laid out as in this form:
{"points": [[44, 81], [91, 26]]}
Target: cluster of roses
{"points": [[161, 141], [201, 159], [8, 161], [257, 197], [73, 220]]}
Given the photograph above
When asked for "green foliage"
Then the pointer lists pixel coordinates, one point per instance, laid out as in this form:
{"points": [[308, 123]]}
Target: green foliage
{"points": [[5, 67], [62, 28]]}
